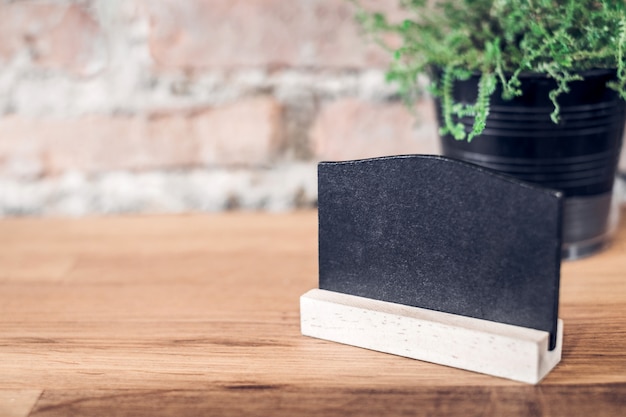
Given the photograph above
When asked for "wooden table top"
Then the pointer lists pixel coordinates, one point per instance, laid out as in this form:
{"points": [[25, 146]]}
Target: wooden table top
{"points": [[198, 316]]}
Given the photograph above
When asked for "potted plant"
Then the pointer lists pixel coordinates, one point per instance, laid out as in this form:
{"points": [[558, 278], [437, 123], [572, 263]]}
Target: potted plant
{"points": [[532, 88]]}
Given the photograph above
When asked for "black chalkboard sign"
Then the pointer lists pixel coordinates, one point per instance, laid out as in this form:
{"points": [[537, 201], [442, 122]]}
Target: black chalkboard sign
{"points": [[437, 233]]}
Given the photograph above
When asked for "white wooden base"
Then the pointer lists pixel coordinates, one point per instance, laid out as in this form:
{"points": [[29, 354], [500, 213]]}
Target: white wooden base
{"points": [[483, 346]]}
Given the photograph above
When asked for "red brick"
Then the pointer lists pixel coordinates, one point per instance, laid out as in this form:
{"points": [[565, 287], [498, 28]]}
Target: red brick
{"points": [[98, 143], [353, 129], [58, 36], [247, 132], [267, 33]]}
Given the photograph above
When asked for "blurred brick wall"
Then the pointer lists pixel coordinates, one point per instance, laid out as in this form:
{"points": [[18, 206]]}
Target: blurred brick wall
{"points": [[170, 105], [174, 105]]}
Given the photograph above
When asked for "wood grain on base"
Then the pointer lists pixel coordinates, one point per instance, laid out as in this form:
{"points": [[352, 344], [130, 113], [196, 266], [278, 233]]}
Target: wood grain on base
{"points": [[498, 349], [18, 403]]}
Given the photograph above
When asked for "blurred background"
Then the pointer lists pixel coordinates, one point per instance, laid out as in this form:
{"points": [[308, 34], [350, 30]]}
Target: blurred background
{"points": [[152, 106]]}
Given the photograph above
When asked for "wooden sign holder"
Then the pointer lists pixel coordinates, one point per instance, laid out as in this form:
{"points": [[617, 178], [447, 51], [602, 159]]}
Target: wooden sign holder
{"points": [[492, 348], [477, 251]]}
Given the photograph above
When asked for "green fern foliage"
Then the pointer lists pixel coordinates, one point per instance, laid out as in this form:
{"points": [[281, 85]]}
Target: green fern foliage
{"points": [[449, 40]]}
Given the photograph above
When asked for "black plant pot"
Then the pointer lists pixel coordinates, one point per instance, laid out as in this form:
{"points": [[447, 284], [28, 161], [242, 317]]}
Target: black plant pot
{"points": [[578, 156]]}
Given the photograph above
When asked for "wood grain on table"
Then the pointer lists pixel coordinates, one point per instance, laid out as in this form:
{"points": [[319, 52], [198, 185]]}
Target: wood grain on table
{"points": [[198, 315]]}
